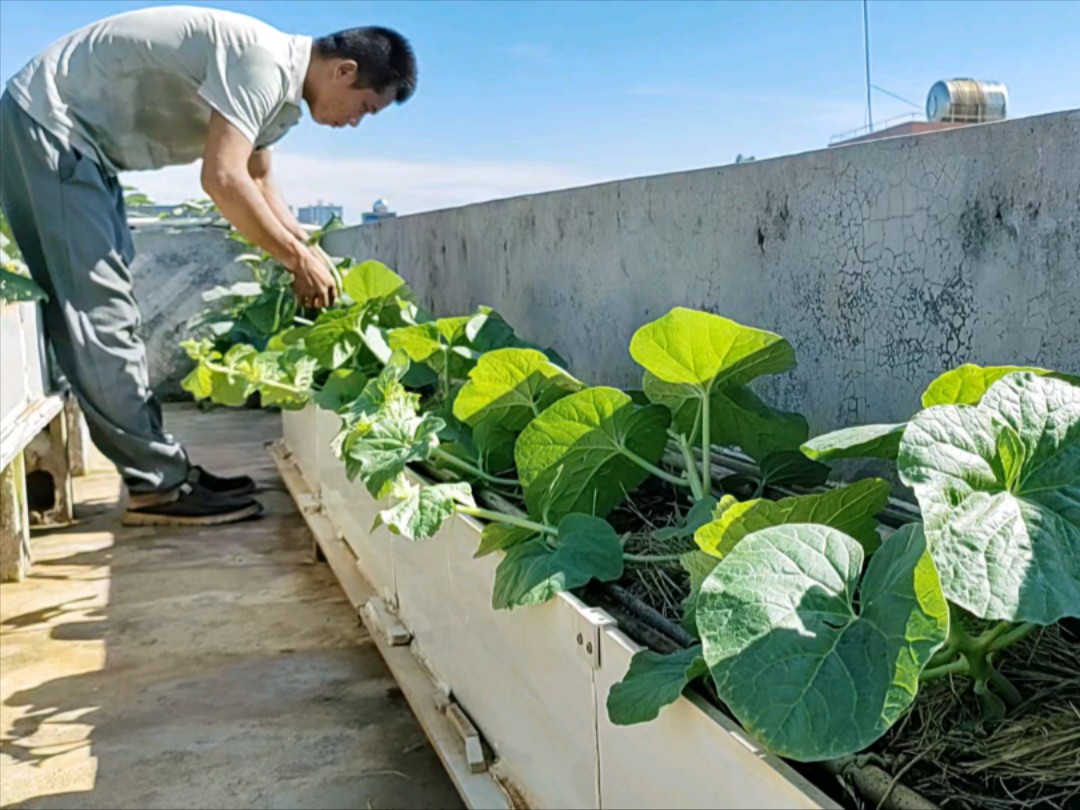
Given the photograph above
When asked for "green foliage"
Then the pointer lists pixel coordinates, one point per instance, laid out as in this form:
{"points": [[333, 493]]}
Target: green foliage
{"points": [[653, 682], [999, 488], [533, 571], [815, 650], [805, 668], [583, 453]]}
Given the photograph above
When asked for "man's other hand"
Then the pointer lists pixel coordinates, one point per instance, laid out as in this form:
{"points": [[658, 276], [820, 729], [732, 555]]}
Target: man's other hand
{"points": [[313, 284]]}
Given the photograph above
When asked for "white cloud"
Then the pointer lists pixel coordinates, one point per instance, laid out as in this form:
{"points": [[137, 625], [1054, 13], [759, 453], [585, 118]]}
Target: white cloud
{"points": [[410, 186]]}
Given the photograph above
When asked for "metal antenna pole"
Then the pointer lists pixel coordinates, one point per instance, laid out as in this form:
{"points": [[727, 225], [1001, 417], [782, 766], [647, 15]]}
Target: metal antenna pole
{"points": [[866, 43]]}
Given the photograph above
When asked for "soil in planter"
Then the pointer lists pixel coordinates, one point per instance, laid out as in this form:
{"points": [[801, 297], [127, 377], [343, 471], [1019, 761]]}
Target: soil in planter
{"points": [[941, 749], [1029, 761]]}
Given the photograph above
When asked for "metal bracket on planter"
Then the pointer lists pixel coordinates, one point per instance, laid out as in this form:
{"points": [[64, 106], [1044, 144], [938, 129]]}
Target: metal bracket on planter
{"points": [[474, 748], [377, 616], [589, 624]]}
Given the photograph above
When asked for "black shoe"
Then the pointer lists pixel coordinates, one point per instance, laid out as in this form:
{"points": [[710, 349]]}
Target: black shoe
{"points": [[234, 485], [191, 505]]}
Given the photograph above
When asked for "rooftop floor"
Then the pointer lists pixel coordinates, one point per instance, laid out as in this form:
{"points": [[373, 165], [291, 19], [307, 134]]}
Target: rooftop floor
{"points": [[211, 667]]}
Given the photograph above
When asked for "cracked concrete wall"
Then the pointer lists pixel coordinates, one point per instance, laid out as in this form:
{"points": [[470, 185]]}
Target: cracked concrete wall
{"points": [[883, 263]]}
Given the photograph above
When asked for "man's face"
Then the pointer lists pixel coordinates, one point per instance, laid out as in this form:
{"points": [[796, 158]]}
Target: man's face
{"points": [[340, 103]]}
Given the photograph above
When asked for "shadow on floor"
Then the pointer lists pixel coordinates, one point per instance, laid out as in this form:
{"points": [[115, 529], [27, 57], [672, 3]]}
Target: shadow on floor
{"points": [[210, 667]]}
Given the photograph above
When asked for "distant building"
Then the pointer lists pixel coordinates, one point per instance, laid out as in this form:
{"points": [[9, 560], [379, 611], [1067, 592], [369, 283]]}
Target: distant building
{"points": [[379, 211], [318, 214]]}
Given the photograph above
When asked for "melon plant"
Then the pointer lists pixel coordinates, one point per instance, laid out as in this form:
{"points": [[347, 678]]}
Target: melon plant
{"points": [[816, 627]]}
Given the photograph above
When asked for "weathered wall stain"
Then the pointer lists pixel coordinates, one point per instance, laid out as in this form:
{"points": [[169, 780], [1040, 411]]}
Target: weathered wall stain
{"points": [[883, 263]]}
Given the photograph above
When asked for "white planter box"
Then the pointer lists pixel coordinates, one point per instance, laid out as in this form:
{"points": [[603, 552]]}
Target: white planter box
{"points": [[537, 694], [298, 431], [24, 376]]}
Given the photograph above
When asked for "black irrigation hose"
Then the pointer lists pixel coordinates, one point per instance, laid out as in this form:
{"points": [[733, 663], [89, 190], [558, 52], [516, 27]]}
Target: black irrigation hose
{"points": [[647, 615]]}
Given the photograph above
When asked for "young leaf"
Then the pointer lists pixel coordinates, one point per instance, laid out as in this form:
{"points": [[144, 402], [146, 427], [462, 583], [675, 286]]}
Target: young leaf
{"points": [[532, 572], [422, 512], [336, 337], [700, 514], [966, 384], [738, 416], [506, 390], [849, 509], [373, 281], [578, 455], [705, 351], [653, 682], [808, 671], [341, 389], [791, 468], [999, 488], [862, 441], [501, 536]]}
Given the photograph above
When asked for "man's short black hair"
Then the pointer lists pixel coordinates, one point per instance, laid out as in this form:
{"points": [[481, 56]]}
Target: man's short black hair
{"points": [[384, 58]]}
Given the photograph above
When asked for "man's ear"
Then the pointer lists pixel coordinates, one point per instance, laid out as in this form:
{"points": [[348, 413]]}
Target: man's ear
{"points": [[346, 68]]}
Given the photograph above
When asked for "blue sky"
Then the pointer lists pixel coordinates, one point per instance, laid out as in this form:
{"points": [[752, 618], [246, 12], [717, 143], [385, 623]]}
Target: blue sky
{"points": [[528, 96]]}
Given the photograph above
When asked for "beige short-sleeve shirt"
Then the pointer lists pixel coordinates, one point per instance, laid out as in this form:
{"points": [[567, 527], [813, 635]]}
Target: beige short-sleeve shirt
{"points": [[135, 91]]}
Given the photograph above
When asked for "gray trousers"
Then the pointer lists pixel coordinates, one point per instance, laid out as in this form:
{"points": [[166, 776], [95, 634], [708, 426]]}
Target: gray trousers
{"points": [[68, 218]]}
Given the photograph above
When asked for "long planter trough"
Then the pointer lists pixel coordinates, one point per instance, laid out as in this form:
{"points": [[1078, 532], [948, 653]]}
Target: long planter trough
{"points": [[534, 681]]}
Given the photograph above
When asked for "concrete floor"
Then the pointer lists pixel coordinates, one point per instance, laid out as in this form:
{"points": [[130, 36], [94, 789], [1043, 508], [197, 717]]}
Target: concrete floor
{"points": [[199, 667]]}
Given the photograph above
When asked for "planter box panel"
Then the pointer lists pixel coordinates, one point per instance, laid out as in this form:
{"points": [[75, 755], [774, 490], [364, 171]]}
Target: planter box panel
{"points": [[24, 377], [691, 756], [519, 674], [351, 509], [298, 431]]}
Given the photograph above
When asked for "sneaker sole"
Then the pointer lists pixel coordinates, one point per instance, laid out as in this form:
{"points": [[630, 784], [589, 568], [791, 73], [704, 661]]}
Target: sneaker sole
{"points": [[155, 519]]}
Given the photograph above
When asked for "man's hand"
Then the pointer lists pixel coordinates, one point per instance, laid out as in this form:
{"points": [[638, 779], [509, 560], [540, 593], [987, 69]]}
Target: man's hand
{"points": [[313, 284]]}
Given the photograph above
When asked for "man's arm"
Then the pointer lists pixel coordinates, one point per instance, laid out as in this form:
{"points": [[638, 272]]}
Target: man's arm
{"points": [[226, 178], [259, 168]]}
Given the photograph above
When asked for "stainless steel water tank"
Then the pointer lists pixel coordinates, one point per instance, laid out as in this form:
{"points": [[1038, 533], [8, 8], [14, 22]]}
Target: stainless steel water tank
{"points": [[967, 100]]}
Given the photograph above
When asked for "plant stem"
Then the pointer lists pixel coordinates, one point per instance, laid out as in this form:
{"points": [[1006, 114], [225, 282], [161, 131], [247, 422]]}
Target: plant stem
{"points": [[1014, 635], [292, 389], [647, 559], [706, 445], [461, 464], [696, 488], [499, 517], [986, 639], [657, 471], [1004, 687], [302, 321], [959, 666]]}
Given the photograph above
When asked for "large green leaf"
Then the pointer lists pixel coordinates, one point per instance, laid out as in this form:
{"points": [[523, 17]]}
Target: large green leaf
{"points": [[421, 513], [284, 378], [999, 488], [341, 389], [386, 432], [966, 384], [808, 668], [532, 572], [577, 456], [16, 287], [862, 441], [653, 682], [850, 509], [505, 391], [373, 281], [336, 337], [706, 351], [698, 565], [501, 536], [739, 417], [436, 343]]}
